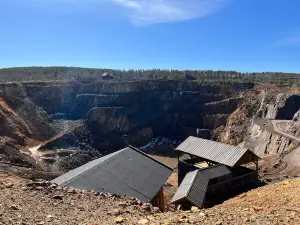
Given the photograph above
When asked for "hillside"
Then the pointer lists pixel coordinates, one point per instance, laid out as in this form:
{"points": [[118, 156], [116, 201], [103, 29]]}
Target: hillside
{"points": [[26, 202], [25, 74], [52, 127]]}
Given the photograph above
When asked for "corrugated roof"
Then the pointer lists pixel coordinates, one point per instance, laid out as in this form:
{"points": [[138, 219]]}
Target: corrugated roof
{"points": [[127, 171], [214, 151], [194, 185], [185, 185]]}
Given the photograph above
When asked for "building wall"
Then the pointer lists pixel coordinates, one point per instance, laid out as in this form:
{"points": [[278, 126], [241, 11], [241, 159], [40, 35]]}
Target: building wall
{"points": [[183, 169], [224, 190], [159, 200]]}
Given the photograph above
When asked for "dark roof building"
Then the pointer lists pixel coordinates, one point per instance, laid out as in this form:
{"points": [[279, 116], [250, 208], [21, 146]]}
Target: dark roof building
{"points": [[217, 152], [194, 186], [223, 176], [125, 172]]}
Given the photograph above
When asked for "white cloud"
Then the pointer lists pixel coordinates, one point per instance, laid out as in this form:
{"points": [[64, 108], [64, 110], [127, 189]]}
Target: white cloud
{"points": [[146, 12]]}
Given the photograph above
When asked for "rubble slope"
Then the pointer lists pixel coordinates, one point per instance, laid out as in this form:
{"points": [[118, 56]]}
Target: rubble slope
{"points": [[25, 202]]}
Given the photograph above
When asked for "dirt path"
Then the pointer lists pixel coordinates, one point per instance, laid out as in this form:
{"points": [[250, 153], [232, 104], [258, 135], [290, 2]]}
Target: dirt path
{"points": [[66, 126], [274, 124]]}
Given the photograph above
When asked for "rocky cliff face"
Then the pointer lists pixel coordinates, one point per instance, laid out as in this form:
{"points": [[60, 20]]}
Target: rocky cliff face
{"points": [[280, 107], [21, 119], [116, 114], [176, 113], [266, 136]]}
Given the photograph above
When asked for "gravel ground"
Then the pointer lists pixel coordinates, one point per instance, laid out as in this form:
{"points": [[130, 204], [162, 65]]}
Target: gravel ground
{"points": [[25, 202]]}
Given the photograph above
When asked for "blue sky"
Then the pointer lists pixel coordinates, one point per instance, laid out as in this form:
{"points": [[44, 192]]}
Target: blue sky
{"points": [[243, 35]]}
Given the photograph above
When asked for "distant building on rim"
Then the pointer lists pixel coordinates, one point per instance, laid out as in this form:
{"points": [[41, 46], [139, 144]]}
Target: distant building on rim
{"points": [[107, 76]]}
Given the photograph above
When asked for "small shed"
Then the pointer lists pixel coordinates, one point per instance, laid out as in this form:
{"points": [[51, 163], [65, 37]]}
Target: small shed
{"points": [[210, 171], [107, 76], [202, 150], [125, 172], [193, 188], [216, 152]]}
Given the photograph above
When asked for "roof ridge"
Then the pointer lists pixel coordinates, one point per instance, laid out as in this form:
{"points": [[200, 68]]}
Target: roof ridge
{"points": [[214, 151], [192, 182], [92, 167], [139, 151], [221, 143], [198, 170]]}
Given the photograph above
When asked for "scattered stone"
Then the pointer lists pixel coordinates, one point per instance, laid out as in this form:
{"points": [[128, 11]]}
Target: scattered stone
{"points": [[202, 214], [156, 209], [9, 185], [96, 193], [166, 222], [50, 217], [58, 197], [14, 207], [39, 188], [71, 191], [150, 218], [219, 222], [147, 206], [257, 208], [123, 204], [119, 219], [195, 209], [143, 221], [114, 212], [242, 195], [53, 186]]}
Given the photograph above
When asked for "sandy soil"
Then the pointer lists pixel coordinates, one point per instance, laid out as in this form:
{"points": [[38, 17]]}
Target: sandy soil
{"points": [[24, 202]]}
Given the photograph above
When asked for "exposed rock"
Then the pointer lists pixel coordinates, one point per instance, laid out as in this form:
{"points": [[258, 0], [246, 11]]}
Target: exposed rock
{"points": [[14, 207], [226, 106], [22, 119], [143, 221], [262, 205], [283, 107], [214, 121], [119, 219], [296, 117]]}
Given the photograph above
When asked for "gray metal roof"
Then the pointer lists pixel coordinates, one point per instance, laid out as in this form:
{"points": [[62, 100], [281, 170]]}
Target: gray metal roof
{"points": [[213, 151], [127, 171], [194, 185]]}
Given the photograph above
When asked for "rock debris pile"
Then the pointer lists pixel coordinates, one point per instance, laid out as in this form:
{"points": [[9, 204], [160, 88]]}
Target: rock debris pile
{"points": [[40, 202]]}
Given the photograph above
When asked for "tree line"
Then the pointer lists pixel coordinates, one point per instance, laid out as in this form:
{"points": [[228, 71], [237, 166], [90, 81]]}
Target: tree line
{"points": [[19, 74]]}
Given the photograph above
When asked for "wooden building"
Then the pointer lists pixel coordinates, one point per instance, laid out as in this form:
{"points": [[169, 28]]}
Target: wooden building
{"points": [[127, 172], [210, 172], [107, 76]]}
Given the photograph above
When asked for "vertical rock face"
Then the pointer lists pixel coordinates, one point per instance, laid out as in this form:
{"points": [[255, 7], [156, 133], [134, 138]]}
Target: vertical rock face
{"points": [[119, 113], [284, 107], [21, 119], [173, 109], [264, 138], [13, 89], [267, 143]]}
